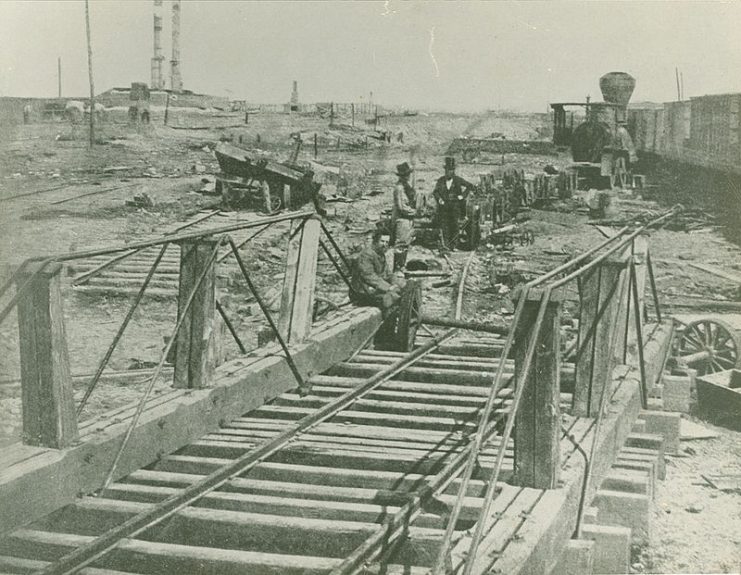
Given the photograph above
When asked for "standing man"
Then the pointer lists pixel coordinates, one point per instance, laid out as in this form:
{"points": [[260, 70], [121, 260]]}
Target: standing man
{"points": [[402, 215], [450, 193]]}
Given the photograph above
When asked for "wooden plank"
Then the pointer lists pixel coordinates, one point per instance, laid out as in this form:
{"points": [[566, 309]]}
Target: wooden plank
{"points": [[22, 565], [418, 374], [157, 557], [538, 419], [297, 299], [552, 522], [503, 531], [49, 417], [295, 506], [196, 342], [239, 387], [716, 271]]}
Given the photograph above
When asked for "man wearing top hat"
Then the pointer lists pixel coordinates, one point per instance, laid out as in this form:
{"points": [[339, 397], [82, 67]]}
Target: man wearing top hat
{"points": [[402, 215], [450, 193]]}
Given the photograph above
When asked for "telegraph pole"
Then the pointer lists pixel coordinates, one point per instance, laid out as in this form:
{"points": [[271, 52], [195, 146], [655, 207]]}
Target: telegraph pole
{"points": [[59, 76], [90, 73]]}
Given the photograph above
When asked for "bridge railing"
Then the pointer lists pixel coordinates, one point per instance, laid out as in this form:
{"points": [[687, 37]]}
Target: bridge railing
{"points": [[49, 411], [611, 281]]}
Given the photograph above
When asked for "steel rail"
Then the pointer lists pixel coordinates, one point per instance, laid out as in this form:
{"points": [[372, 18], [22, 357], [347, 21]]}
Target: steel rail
{"points": [[243, 243], [23, 288], [399, 523], [230, 327], [101, 545], [604, 395], [176, 238], [467, 325], [584, 481], [462, 286], [83, 278], [519, 387], [198, 220], [335, 245], [336, 264], [652, 280], [119, 334], [93, 193], [12, 279], [37, 192], [161, 364], [266, 313], [639, 333], [479, 440], [597, 318], [604, 255]]}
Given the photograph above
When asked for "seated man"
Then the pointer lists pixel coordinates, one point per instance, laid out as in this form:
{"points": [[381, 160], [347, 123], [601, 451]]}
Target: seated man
{"points": [[372, 284]]}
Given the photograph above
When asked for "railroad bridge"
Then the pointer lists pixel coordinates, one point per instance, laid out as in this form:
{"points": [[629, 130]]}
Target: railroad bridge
{"points": [[480, 451]]}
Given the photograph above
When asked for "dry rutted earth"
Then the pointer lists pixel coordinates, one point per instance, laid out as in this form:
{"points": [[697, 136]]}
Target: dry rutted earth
{"points": [[697, 529]]}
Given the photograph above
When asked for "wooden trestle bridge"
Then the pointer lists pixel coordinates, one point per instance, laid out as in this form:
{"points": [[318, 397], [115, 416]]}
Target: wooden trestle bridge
{"points": [[472, 453]]}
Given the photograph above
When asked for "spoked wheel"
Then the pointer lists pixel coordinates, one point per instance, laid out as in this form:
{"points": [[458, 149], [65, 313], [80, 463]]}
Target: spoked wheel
{"points": [[410, 312], [275, 204], [708, 345], [619, 177]]}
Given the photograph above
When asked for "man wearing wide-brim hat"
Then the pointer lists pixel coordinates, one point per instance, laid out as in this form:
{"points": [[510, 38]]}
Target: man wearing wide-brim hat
{"points": [[450, 193], [402, 215]]}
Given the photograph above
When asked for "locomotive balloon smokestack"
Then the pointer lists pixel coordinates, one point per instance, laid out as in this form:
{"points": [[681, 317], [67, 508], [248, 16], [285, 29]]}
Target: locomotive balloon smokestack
{"points": [[617, 87]]}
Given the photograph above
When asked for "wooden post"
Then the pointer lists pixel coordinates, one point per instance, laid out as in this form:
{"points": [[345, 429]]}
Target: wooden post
{"points": [[538, 421], [316, 145], [196, 342], [90, 73], [49, 418], [287, 196], [297, 301], [603, 289]]}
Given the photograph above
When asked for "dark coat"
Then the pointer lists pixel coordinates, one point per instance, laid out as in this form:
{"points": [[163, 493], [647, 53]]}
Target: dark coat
{"points": [[369, 274], [455, 197]]}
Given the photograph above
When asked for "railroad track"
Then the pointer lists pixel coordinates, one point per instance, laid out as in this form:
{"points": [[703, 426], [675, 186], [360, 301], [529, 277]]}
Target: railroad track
{"points": [[315, 500], [123, 274]]}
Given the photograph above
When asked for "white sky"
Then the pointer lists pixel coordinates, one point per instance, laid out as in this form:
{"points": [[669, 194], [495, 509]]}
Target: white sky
{"points": [[517, 55]]}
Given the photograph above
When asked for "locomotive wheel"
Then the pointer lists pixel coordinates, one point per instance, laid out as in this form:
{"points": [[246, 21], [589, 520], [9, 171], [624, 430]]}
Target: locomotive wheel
{"points": [[709, 345], [619, 176], [410, 312]]}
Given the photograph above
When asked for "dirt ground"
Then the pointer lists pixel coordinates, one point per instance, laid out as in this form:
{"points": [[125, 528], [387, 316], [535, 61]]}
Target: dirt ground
{"points": [[171, 165]]}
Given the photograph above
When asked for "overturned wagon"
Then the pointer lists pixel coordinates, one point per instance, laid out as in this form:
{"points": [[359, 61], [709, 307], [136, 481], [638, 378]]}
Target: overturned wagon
{"points": [[252, 182]]}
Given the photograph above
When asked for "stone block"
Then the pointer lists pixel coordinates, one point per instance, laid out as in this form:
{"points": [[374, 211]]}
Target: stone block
{"points": [[676, 394], [577, 558], [639, 426], [629, 481], [631, 510], [590, 515], [611, 554], [647, 455], [652, 441], [665, 423]]}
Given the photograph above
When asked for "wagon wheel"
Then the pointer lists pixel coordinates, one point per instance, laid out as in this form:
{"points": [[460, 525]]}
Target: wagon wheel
{"points": [[619, 176], [275, 204], [709, 345], [472, 228], [410, 312]]}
